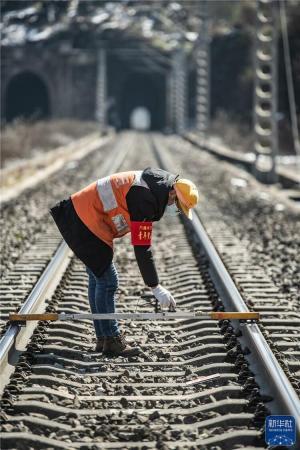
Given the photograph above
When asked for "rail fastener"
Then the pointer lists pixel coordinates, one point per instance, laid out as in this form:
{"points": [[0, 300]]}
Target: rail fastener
{"points": [[214, 315]]}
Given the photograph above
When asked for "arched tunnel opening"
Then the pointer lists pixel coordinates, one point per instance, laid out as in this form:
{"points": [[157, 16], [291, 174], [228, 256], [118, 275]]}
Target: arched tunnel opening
{"points": [[142, 92], [140, 119], [26, 97]]}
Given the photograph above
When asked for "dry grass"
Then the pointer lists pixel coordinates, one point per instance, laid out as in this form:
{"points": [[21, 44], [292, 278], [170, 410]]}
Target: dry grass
{"points": [[238, 136], [235, 135], [24, 140]]}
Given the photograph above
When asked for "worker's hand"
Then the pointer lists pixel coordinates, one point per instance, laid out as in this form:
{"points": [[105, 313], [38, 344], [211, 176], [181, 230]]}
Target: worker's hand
{"points": [[164, 297]]}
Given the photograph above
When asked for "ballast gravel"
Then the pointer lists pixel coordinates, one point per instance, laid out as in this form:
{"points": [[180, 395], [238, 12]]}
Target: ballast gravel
{"points": [[268, 228]]}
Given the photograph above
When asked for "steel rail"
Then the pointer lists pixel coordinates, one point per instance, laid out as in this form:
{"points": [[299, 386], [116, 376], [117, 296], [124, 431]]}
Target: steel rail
{"points": [[222, 152], [15, 339], [268, 373]]}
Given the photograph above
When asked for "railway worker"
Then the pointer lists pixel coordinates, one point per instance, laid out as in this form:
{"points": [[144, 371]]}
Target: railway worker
{"points": [[109, 208]]}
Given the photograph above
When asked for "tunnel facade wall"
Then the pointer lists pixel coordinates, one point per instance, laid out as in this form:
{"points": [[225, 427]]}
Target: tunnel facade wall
{"points": [[69, 79]]}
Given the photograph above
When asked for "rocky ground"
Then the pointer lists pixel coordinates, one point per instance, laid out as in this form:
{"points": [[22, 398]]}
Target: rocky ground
{"points": [[268, 227], [65, 394], [88, 398], [27, 217]]}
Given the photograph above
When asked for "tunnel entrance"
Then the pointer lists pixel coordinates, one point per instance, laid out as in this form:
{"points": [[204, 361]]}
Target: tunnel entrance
{"points": [[140, 119], [26, 97], [142, 93]]}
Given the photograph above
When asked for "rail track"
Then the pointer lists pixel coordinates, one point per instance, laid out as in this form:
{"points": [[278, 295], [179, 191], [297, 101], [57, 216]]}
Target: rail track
{"points": [[29, 236], [268, 283], [62, 395], [289, 179], [24, 215]]}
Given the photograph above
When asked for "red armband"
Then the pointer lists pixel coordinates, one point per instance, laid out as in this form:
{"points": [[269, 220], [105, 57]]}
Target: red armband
{"points": [[141, 233]]}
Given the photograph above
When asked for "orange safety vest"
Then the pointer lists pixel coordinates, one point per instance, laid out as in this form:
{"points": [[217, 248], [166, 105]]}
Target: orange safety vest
{"points": [[102, 205]]}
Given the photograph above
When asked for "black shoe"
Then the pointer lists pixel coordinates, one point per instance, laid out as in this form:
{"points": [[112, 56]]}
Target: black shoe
{"points": [[117, 346], [99, 344]]}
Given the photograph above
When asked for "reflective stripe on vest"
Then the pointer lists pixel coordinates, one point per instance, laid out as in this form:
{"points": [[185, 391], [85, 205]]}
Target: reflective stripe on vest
{"points": [[106, 194], [109, 202], [102, 206]]}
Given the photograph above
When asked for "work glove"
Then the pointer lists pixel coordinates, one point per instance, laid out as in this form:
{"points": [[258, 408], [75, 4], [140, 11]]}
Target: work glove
{"points": [[164, 297]]}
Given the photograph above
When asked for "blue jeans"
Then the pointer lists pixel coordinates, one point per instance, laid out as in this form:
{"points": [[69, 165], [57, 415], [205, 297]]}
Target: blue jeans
{"points": [[102, 299]]}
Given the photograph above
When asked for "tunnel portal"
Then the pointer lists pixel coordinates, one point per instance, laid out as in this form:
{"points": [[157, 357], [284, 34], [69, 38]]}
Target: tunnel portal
{"points": [[142, 91], [140, 119], [26, 97]]}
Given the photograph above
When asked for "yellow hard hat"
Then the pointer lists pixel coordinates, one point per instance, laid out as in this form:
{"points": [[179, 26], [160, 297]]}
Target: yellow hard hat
{"points": [[187, 195]]}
